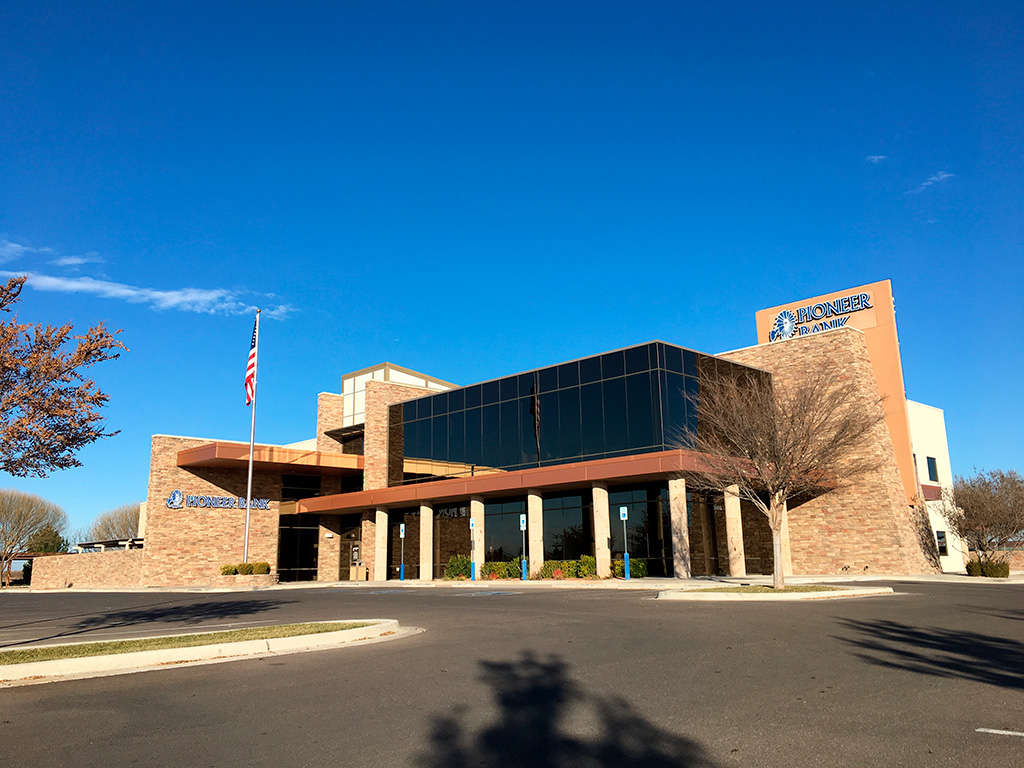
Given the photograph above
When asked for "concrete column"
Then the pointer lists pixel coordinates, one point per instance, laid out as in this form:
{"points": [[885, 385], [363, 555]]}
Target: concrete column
{"points": [[535, 531], [734, 532], [476, 514], [380, 544], [787, 555], [426, 541], [680, 528], [602, 532]]}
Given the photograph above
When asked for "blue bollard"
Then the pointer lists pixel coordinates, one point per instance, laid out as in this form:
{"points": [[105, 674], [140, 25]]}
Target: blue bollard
{"points": [[524, 570], [626, 568], [472, 570], [401, 572]]}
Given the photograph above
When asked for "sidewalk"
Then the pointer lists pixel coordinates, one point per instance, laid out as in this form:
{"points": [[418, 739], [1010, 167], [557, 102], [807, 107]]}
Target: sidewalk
{"points": [[647, 584]]}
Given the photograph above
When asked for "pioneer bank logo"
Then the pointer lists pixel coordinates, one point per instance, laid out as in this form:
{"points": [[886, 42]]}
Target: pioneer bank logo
{"points": [[177, 500], [823, 316]]}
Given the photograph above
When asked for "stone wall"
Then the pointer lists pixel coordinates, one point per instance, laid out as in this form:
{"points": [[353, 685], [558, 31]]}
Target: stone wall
{"points": [[329, 412], [115, 569], [188, 545], [866, 526], [378, 439], [757, 539]]}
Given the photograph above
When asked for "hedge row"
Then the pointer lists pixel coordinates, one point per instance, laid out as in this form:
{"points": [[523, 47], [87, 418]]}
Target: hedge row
{"points": [[245, 569], [459, 567], [986, 568]]}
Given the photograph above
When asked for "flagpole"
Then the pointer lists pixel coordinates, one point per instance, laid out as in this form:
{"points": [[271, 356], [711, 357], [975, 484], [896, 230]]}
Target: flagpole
{"points": [[252, 439]]}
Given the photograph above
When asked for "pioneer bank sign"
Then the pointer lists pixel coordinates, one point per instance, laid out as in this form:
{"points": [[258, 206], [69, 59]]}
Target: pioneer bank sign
{"points": [[177, 500], [812, 318]]}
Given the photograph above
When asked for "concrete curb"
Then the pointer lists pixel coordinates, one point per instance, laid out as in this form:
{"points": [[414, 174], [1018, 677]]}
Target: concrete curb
{"points": [[845, 592], [13, 675]]}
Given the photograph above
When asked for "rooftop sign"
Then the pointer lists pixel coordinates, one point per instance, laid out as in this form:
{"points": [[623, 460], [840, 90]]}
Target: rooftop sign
{"points": [[822, 316]]}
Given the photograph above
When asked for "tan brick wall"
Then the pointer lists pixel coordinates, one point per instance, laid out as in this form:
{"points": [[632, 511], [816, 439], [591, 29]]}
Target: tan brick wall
{"points": [[115, 570], [757, 539], [329, 412], [330, 548], [1016, 561], [377, 439], [188, 545], [868, 525]]}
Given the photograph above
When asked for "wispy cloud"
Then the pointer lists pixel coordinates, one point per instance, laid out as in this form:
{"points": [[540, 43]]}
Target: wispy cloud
{"points": [[75, 261], [210, 301], [876, 159], [10, 251], [931, 181]]}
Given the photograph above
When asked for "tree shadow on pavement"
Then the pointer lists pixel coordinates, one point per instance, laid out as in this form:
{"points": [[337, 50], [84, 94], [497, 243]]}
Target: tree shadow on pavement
{"points": [[167, 612], [534, 699], [939, 652]]}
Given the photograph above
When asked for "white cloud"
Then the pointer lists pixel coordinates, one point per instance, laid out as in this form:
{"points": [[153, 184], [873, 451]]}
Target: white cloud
{"points": [[74, 261], [931, 181], [10, 251], [876, 159], [211, 301]]}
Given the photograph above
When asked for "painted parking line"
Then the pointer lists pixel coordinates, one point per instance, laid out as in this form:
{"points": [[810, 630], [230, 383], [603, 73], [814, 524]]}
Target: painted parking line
{"points": [[483, 594], [999, 733]]}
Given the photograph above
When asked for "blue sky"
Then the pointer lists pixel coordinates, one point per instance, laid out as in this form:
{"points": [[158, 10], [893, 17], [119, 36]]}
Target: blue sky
{"points": [[471, 189]]}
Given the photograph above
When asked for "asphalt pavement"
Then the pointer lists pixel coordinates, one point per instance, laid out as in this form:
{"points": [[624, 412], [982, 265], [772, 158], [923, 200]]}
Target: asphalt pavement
{"points": [[540, 677]]}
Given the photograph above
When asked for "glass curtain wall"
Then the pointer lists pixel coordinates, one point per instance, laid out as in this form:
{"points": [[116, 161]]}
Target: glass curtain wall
{"points": [[648, 526], [503, 540], [634, 400], [568, 527]]}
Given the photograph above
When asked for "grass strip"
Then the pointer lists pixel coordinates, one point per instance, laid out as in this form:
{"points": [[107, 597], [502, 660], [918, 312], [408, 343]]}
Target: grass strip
{"points": [[79, 650], [766, 589]]}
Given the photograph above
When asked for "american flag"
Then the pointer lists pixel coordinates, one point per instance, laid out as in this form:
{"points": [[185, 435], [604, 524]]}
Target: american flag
{"points": [[250, 369]]}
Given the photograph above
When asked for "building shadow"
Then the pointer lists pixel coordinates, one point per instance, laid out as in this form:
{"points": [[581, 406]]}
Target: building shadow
{"points": [[939, 652], [165, 612], [534, 699]]}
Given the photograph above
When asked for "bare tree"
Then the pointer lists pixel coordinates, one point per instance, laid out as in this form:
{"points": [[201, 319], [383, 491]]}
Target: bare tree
{"points": [[48, 409], [775, 443], [118, 523], [987, 511], [23, 516]]}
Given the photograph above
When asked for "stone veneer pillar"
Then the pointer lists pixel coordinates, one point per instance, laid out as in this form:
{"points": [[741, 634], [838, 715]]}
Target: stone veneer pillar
{"points": [[602, 532], [535, 531], [734, 532], [380, 544], [787, 555], [476, 514], [426, 541], [680, 528]]}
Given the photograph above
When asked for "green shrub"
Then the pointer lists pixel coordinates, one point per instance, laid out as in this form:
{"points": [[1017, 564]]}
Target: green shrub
{"points": [[637, 568], [988, 568], [458, 567], [245, 569], [587, 568], [262, 568], [228, 570]]}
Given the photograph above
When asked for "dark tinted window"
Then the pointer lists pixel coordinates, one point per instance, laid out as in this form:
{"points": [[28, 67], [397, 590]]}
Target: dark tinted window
{"points": [[613, 364], [548, 380], [590, 370], [933, 469], [473, 397], [568, 375], [637, 359], [457, 400]]}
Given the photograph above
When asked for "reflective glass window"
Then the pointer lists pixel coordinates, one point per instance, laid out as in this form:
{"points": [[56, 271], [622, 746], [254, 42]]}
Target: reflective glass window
{"points": [[503, 540], [637, 359], [568, 375], [613, 364], [590, 370], [549, 430], [457, 436], [548, 380], [490, 392], [527, 383], [528, 449], [570, 436], [439, 404], [615, 434], [473, 396], [592, 418], [457, 400], [473, 444], [640, 410], [673, 359], [509, 388], [490, 436], [568, 528], [439, 438], [509, 434]]}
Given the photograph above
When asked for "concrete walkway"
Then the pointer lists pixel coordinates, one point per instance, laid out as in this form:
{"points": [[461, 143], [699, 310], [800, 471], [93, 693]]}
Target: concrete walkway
{"points": [[649, 584]]}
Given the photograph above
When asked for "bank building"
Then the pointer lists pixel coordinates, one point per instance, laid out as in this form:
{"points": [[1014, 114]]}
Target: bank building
{"points": [[406, 469]]}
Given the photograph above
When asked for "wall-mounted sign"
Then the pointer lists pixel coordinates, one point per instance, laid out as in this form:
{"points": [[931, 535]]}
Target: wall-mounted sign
{"points": [[177, 500], [823, 316]]}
